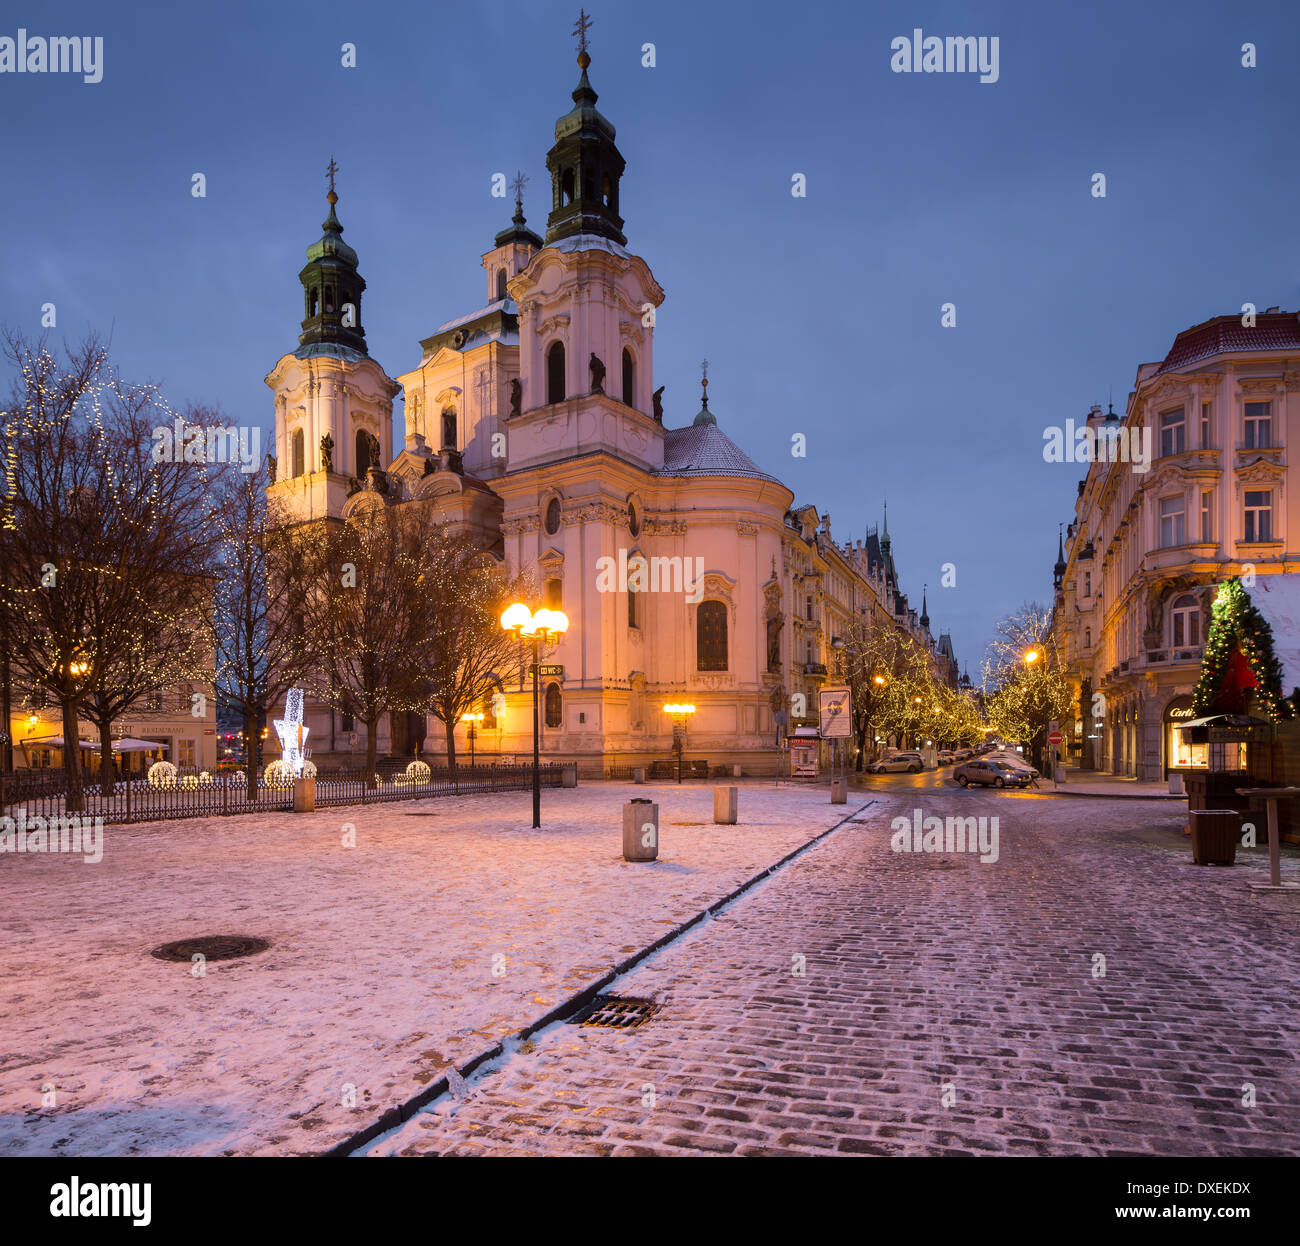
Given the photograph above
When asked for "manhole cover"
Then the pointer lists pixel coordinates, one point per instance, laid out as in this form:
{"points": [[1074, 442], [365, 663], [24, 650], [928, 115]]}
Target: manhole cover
{"points": [[614, 1012], [211, 947]]}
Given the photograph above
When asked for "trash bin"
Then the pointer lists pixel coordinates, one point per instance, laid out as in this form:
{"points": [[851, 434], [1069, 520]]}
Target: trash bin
{"points": [[640, 830], [839, 791], [638, 774], [726, 805], [1215, 833], [304, 795]]}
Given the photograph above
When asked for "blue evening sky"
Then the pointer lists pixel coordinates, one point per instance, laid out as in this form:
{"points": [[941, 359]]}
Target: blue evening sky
{"points": [[818, 315]]}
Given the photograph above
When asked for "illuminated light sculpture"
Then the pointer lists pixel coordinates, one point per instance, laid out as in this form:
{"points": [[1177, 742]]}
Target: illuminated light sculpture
{"points": [[293, 735]]}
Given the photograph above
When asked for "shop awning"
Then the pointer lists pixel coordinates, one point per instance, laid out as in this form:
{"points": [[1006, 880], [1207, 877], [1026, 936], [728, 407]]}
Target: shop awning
{"points": [[56, 741], [1223, 720]]}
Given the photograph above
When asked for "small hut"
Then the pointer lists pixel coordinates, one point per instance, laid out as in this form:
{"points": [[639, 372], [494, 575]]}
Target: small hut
{"points": [[1246, 700]]}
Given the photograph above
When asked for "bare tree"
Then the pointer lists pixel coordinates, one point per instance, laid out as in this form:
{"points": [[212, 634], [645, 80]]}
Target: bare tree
{"points": [[259, 635]]}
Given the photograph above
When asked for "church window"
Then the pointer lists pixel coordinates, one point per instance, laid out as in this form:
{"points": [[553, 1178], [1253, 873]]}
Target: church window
{"points": [[501, 283], [298, 444], [553, 516], [449, 428], [633, 519], [633, 610], [555, 373], [363, 452], [711, 636], [554, 706], [329, 301], [566, 186], [315, 302], [629, 377], [607, 196], [588, 186], [555, 594]]}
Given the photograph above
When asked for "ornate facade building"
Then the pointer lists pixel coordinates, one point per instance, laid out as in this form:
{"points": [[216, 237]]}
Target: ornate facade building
{"points": [[1138, 570], [535, 424]]}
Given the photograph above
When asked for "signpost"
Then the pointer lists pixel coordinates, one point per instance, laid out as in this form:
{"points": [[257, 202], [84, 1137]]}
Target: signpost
{"points": [[835, 713]]}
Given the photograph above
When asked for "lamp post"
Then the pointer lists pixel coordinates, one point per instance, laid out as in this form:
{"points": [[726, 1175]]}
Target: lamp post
{"points": [[680, 714], [541, 627], [473, 720]]}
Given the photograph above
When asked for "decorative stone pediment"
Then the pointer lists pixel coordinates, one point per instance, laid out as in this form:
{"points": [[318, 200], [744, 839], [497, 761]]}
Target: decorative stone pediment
{"points": [[1260, 471], [1259, 384], [551, 562]]}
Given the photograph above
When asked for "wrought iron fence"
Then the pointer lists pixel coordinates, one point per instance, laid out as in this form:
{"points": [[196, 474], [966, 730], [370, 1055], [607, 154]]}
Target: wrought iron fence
{"points": [[136, 800]]}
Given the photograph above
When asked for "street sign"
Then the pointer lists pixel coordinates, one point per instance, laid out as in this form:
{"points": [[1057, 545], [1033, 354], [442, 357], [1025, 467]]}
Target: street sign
{"points": [[551, 672], [1055, 738], [836, 715]]}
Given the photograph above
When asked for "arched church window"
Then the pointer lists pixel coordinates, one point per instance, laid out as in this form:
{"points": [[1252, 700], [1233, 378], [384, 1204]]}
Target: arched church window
{"points": [[554, 706], [566, 186], [299, 442], [554, 593], [501, 283], [329, 301], [711, 636], [633, 608], [555, 373], [607, 192], [629, 376], [553, 516], [588, 186], [315, 302], [363, 452], [449, 428]]}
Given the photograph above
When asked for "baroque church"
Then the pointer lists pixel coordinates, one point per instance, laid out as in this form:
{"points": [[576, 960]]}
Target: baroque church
{"points": [[534, 423]]}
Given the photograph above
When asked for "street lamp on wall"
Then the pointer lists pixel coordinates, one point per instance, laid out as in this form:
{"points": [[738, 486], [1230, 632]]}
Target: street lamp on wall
{"points": [[681, 714], [473, 720], [542, 627]]}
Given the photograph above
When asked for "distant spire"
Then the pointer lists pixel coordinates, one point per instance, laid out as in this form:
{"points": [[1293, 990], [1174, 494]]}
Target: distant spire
{"points": [[705, 416], [1058, 571], [925, 613], [518, 187], [884, 538]]}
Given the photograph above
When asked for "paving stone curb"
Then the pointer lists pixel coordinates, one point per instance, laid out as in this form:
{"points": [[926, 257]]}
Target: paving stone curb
{"points": [[400, 1113]]}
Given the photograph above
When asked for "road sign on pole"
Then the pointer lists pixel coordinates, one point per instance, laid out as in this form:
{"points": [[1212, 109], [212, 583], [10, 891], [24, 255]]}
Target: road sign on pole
{"points": [[1055, 738], [836, 714]]}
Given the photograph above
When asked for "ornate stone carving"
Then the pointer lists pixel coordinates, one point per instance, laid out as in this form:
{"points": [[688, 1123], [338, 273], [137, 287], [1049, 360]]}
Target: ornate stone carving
{"points": [[520, 526], [746, 527], [551, 324], [1260, 384]]}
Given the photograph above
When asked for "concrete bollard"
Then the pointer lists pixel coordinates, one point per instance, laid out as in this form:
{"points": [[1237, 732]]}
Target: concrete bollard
{"points": [[726, 804], [304, 795], [839, 791], [640, 830], [638, 775]]}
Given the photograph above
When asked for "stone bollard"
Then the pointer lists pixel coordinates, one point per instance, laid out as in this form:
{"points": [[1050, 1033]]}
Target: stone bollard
{"points": [[726, 804], [839, 791], [640, 830], [638, 775], [304, 795]]}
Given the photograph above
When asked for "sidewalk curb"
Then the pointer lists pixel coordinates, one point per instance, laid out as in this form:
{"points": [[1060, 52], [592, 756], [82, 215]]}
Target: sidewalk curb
{"points": [[400, 1113], [1110, 795]]}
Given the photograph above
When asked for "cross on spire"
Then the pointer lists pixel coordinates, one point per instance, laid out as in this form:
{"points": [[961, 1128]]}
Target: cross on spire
{"points": [[580, 28], [518, 187], [330, 172]]}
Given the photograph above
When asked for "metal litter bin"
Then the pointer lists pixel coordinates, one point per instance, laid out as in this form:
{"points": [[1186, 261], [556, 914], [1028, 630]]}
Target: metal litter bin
{"points": [[1215, 834], [640, 830]]}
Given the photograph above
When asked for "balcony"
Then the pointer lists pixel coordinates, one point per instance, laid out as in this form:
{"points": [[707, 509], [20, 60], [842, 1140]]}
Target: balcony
{"points": [[1173, 657], [814, 668]]}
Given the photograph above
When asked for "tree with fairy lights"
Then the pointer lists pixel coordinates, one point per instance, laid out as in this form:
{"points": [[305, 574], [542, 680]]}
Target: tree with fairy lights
{"points": [[1239, 661]]}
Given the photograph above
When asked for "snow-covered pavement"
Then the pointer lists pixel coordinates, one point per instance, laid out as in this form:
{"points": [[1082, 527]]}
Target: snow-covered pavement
{"points": [[381, 967]]}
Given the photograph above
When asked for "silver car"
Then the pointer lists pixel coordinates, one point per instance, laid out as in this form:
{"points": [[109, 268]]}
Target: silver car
{"points": [[990, 774], [911, 762]]}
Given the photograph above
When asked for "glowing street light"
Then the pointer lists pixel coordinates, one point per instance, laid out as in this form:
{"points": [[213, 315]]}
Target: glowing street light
{"points": [[473, 720], [681, 714], [1032, 656], [543, 627]]}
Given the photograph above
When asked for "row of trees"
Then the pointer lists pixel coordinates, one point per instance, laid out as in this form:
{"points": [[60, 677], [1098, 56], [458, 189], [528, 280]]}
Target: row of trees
{"points": [[126, 572], [896, 691]]}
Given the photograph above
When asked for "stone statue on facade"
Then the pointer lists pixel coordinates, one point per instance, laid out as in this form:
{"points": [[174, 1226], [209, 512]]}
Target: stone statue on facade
{"points": [[327, 453], [516, 396], [658, 399], [597, 374], [270, 467]]}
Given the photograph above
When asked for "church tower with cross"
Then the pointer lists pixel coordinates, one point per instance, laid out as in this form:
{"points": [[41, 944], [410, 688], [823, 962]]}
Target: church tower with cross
{"points": [[333, 402]]}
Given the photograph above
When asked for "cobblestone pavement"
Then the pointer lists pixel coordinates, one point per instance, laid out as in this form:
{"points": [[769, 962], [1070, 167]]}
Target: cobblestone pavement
{"points": [[947, 1006]]}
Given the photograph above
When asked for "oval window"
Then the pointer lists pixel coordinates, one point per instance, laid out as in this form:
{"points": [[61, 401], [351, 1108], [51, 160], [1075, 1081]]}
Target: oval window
{"points": [[553, 516], [633, 519]]}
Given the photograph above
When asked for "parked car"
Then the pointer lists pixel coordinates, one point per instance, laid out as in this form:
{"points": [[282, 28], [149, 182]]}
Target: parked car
{"points": [[944, 757], [965, 753], [1015, 761], [990, 774], [899, 761]]}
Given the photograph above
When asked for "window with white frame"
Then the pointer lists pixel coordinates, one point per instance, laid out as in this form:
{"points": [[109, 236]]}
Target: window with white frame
{"points": [[1259, 425], [1185, 622], [1173, 522], [1207, 516], [1206, 412], [1173, 431], [1258, 515]]}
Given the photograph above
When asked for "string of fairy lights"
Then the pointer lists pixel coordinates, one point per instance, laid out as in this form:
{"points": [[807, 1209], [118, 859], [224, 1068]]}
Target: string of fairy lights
{"points": [[1237, 626]]}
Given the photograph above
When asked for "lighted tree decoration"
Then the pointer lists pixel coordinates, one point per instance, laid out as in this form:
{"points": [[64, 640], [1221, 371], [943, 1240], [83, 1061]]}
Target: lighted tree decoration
{"points": [[1239, 660]]}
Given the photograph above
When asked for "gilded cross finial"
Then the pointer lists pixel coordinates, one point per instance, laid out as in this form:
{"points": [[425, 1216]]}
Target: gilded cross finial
{"points": [[330, 172], [518, 187], [580, 28]]}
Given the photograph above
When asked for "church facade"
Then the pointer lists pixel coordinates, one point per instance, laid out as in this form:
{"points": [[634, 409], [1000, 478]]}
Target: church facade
{"points": [[535, 425]]}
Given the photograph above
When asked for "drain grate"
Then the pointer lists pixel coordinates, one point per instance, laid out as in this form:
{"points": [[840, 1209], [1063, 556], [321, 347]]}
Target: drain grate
{"points": [[211, 947], [615, 1012]]}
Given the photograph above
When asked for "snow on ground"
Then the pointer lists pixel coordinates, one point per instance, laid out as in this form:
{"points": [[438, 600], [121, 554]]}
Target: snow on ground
{"points": [[380, 969]]}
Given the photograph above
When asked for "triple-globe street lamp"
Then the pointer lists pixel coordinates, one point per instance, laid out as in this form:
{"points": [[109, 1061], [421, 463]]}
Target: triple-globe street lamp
{"points": [[542, 627]]}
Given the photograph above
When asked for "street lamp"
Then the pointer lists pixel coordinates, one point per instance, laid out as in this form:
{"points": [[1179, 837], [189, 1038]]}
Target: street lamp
{"points": [[543, 627], [680, 715], [1031, 656], [473, 720]]}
